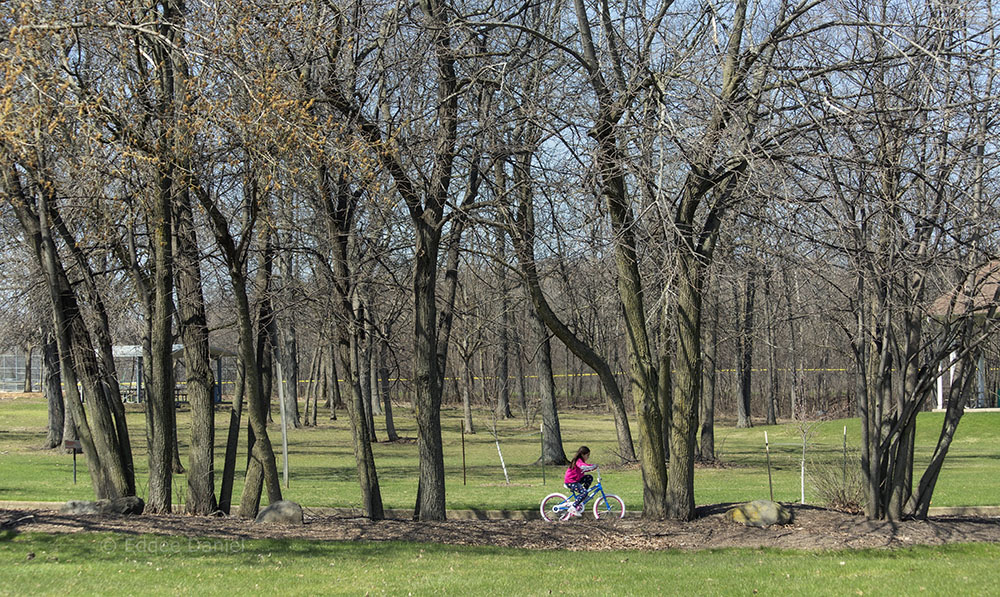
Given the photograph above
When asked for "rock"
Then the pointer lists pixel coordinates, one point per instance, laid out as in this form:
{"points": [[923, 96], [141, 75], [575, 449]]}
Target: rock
{"points": [[760, 513], [79, 507], [124, 505], [283, 511]]}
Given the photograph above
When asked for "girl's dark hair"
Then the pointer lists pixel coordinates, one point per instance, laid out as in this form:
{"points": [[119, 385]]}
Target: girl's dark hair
{"points": [[581, 452]]}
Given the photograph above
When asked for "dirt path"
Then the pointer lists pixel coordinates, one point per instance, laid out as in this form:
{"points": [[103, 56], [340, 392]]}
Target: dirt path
{"points": [[812, 528]]}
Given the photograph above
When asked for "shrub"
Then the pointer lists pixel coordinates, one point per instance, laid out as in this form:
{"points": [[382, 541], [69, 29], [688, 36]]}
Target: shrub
{"points": [[840, 489]]}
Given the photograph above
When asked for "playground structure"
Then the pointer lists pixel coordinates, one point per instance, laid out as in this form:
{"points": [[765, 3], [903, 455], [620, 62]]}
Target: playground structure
{"points": [[128, 363]]}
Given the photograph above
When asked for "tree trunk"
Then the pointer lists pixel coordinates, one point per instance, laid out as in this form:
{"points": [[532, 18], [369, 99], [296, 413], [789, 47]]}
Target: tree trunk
{"points": [[363, 362], [160, 407], [311, 384], [28, 349], [552, 443], [192, 324], [262, 468], [919, 503], [706, 405], [427, 378], [371, 352], [522, 385], [523, 237], [770, 312], [467, 424], [384, 387], [371, 495], [232, 440], [103, 446], [289, 352], [333, 384], [643, 374], [290, 369], [503, 371], [262, 463], [796, 356], [51, 387], [745, 356], [686, 389], [351, 319], [260, 451], [176, 465]]}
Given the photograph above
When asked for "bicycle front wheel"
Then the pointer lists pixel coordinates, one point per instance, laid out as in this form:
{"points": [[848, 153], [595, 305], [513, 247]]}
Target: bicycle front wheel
{"points": [[609, 506], [554, 507]]}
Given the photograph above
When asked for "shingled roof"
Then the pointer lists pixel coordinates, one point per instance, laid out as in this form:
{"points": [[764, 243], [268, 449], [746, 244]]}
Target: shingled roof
{"points": [[985, 287]]}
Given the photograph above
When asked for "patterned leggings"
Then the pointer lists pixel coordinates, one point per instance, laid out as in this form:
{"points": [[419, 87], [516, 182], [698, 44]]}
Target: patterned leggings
{"points": [[580, 488]]}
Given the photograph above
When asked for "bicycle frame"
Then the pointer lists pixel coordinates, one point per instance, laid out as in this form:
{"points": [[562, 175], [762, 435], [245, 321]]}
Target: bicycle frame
{"points": [[589, 495]]}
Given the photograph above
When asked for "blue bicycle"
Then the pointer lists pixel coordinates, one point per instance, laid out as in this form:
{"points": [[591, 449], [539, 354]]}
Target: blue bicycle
{"points": [[556, 506]]}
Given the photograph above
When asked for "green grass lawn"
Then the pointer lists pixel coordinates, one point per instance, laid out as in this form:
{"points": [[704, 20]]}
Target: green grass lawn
{"points": [[323, 474], [95, 564], [322, 470]]}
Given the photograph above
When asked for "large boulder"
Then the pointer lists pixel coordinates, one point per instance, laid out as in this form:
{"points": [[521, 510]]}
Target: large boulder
{"points": [[123, 505], [760, 513], [79, 507], [283, 511], [129, 504]]}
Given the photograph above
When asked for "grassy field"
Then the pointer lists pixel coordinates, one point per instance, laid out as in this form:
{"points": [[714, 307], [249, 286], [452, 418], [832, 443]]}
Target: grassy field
{"points": [[323, 474], [322, 471], [90, 564]]}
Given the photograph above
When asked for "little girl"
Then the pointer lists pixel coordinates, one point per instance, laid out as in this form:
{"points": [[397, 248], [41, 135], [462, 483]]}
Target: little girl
{"points": [[577, 481]]}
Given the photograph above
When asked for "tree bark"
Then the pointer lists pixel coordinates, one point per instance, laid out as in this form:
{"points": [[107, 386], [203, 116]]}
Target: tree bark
{"points": [[427, 378], [332, 383], [384, 387], [706, 408], [770, 312], [160, 407], [232, 440], [338, 204], [192, 324], [288, 336], [262, 464], [503, 370], [552, 443], [523, 234], [371, 496], [103, 446], [686, 389], [51, 387], [28, 349], [745, 356]]}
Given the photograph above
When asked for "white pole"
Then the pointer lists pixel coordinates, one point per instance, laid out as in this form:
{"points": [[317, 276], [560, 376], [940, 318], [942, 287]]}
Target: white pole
{"points": [[802, 482], [284, 428], [981, 381], [767, 454], [940, 387], [504, 466]]}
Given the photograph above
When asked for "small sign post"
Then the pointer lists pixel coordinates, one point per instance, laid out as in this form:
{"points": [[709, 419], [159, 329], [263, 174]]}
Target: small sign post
{"points": [[77, 448]]}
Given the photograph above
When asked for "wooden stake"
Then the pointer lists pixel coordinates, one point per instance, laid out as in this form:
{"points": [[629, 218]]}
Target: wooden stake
{"points": [[767, 452]]}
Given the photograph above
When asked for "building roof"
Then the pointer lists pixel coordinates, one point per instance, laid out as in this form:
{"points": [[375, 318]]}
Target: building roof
{"points": [[135, 350], [984, 287]]}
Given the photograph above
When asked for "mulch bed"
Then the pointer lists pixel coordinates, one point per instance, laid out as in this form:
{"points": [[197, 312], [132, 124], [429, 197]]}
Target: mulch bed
{"points": [[812, 529]]}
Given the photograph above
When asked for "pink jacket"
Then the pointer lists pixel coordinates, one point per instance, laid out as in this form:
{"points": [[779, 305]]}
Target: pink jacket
{"points": [[576, 469]]}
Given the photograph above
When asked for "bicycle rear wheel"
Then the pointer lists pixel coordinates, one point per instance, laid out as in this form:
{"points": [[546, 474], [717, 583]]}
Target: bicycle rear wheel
{"points": [[554, 507], [609, 506]]}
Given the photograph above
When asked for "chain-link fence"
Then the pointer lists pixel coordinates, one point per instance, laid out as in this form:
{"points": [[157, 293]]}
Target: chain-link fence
{"points": [[12, 372]]}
